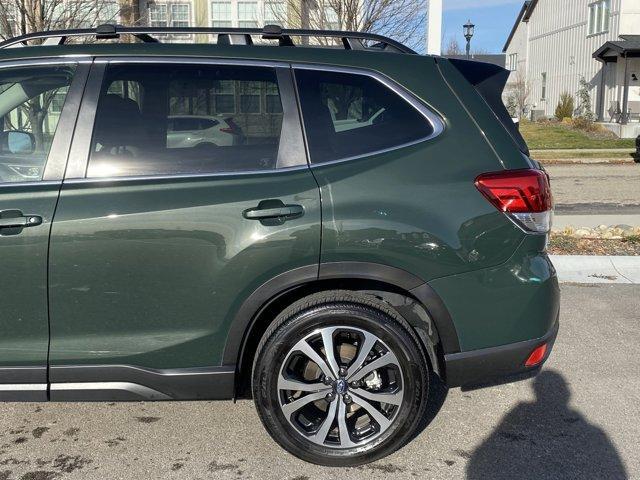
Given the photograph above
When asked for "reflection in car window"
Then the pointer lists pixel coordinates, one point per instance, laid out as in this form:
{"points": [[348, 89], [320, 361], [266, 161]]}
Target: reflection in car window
{"points": [[31, 102], [180, 119], [348, 115]]}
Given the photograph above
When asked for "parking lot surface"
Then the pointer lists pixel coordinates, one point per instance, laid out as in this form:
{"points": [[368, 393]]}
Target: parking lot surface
{"points": [[578, 419], [598, 189]]}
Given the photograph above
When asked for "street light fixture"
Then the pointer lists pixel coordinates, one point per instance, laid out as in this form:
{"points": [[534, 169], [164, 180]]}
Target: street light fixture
{"points": [[468, 34]]}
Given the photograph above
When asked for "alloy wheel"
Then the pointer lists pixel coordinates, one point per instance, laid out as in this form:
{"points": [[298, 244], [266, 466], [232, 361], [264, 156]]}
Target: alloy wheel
{"points": [[340, 387]]}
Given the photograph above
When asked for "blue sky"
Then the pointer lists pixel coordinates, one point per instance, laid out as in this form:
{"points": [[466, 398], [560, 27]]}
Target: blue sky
{"points": [[493, 19]]}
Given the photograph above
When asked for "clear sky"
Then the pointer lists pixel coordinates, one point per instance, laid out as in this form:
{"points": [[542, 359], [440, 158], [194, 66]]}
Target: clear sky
{"points": [[493, 20]]}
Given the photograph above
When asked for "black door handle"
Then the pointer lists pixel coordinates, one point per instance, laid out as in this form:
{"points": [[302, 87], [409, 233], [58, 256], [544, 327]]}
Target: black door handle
{"points": [[15, 219], [273, 212], [286, 211]]}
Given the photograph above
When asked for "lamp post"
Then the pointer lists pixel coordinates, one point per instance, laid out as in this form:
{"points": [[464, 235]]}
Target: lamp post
{"points": [[468, 34]]}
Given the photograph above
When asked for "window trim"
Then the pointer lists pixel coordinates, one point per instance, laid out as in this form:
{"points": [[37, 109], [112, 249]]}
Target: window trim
{"points": [[431, 116], [291, 138], [57, 158]]}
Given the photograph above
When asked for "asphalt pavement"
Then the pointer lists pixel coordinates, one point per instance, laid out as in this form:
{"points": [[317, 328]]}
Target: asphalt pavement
{"points": [[580, 418], [596, 189]]}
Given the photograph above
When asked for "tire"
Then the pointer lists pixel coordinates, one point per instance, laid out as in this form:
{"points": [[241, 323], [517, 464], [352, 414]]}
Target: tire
{"points": [[311, 430]]}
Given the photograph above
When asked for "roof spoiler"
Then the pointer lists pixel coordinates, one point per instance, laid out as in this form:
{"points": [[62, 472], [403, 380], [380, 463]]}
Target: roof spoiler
{"points": [[490, 80]]}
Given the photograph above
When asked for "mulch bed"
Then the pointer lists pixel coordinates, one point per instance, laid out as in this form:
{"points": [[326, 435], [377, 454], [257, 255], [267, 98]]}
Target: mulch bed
{"points": [[569, 245]]}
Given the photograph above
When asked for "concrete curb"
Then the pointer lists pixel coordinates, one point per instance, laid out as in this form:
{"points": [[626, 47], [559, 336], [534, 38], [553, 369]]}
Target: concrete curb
{"points": [[597, 269]]}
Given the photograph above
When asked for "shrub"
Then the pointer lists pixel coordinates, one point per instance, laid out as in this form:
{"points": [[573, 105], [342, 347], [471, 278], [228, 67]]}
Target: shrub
{"points": [[586, 125], [565, 106], [512, 106], [584, 101]]}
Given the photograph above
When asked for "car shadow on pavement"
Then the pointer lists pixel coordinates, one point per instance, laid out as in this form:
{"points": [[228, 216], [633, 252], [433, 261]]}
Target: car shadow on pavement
{"points": [[546, 439]]}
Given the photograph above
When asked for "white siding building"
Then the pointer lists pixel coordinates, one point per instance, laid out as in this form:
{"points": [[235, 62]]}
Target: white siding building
{"points": [[556, 43]]}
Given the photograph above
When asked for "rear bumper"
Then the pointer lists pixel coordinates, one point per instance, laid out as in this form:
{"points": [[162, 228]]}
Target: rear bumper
{"points": [[497, 365]]}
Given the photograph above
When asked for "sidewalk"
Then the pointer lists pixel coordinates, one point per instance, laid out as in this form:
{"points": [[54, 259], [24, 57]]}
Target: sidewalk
{"points": [[594, 269], [578, 151]]}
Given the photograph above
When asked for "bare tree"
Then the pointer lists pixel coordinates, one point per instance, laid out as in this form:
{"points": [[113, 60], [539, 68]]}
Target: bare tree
{"points": [[518, 92], [453, 47], [19, 17], [403, 20]]}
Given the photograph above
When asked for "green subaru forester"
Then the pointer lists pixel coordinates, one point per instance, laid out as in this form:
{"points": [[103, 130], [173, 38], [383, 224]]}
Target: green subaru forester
{"points": [[326, 227]]}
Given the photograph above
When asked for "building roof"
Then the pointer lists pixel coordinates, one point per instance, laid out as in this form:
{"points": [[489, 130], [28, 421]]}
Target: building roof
{"points": [[629, 44], [525, 14]]}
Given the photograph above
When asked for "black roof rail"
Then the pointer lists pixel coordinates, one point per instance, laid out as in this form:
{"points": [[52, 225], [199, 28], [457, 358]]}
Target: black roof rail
{"points": [[350, 40]]}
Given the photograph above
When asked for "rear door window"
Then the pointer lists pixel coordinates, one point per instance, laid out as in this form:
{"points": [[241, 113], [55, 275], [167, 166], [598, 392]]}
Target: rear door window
{"points": [[349, 115], [185, 119]]}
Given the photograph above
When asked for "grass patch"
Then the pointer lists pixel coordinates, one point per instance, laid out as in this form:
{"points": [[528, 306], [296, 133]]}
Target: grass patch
{"points": [[571, 154], [549, 135]]}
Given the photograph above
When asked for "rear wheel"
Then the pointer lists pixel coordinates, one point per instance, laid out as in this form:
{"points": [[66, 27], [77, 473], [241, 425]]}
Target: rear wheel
{"points": [[340, 379]]}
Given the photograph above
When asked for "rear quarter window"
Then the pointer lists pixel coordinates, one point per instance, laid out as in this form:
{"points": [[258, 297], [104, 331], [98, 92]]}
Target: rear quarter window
{"points": [[350, 115]]}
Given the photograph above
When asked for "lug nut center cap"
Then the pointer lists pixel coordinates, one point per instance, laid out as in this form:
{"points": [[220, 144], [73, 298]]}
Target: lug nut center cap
{"points": [[341, 387]]}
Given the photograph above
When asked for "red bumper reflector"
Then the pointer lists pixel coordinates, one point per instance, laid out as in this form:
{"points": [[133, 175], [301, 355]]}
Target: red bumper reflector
{"points": [[536, 356]]}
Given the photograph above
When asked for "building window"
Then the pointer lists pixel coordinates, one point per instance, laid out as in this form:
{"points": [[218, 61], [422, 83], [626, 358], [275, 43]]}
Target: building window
{"points": [[599, 17], [275, 13], [175, 15], [57, 101], [221, 16], [543, 95], [332, 22], [224, 95], [512, 62], [108, 13], [274, 105], [158, 15], [250, 97], [180, 15], [248, 14]]}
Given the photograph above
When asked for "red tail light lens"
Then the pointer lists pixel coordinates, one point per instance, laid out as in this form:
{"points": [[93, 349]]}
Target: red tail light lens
{"points": [[524, 194], [517, 191], [537, 356]]}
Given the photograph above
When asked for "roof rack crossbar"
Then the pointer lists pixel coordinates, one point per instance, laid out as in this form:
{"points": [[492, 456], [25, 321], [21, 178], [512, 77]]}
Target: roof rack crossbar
{"points": [[350, 40]]}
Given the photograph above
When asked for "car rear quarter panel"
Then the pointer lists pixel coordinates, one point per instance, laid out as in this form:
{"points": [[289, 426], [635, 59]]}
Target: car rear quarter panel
{"points": [[417, 207]]}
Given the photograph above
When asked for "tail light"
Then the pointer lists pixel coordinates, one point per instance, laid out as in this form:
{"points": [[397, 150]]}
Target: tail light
{"points": [[524, 195], [233, 127]]}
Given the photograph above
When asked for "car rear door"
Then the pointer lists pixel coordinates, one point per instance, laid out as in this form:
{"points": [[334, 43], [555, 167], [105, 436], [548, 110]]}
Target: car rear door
{"points": [[38, 107], [154, 248]]}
